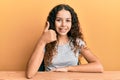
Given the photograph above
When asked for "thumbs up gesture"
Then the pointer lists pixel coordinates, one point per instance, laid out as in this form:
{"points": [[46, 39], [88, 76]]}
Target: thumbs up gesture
{"points": [[48, 35]]}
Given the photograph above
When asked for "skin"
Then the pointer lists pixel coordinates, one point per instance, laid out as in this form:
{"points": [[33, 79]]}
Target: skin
{"points": [[63, 24]]}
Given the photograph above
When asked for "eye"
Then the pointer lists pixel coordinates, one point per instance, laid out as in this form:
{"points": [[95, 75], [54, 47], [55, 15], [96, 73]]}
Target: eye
{"points": [[68, 20], [58, 20]]}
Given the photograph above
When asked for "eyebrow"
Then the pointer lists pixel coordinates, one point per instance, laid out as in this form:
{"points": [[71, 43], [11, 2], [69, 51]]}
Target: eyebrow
{"points": [[60, 17]]}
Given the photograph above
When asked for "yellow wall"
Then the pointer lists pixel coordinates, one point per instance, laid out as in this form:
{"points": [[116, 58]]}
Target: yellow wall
{"points": [[22, 21]]}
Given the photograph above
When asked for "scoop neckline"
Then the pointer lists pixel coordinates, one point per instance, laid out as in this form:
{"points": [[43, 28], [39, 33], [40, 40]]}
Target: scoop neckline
{"points": [[64, 44]]}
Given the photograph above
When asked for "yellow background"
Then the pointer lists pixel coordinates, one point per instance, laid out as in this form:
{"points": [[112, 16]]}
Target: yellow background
{"points": [[22, 21]]}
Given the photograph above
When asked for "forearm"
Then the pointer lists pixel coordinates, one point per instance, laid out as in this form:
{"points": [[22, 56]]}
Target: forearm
{"points": [[91, 67], [35, 60]]}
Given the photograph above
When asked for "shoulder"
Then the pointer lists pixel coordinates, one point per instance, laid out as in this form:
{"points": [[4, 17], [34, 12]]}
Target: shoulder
{"points": [[80, 42]]}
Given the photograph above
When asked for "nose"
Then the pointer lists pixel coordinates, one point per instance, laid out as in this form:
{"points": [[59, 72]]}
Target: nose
{"points": [[63, 23]]}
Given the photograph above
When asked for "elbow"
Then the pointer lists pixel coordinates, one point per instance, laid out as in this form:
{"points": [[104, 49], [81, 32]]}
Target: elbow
{"points": [[29, 75], [100, 68]]}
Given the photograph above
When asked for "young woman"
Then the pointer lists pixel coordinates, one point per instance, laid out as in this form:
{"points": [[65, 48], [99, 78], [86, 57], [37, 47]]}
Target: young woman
{"points": [[61, 44]]}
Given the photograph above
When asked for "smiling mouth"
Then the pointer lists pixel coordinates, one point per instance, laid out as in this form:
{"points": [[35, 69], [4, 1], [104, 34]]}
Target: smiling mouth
{"points": [[63, 30]]}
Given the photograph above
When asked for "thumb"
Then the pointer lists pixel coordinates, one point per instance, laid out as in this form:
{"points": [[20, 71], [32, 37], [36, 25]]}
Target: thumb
{"points": [[47, 26]]}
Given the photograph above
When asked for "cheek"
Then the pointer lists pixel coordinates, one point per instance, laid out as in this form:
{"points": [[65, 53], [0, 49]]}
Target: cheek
{"points": [[57, 24], [70, 26]]}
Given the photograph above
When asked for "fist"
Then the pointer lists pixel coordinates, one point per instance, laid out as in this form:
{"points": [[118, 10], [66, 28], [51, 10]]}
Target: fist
{"points": [[49, 35]]}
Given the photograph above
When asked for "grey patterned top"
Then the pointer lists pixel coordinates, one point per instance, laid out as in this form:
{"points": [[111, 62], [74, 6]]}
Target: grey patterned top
{"points": [[65, 56]]}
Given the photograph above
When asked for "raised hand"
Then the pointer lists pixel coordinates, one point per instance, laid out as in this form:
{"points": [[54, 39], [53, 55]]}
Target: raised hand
{"points": [[48, 35]]}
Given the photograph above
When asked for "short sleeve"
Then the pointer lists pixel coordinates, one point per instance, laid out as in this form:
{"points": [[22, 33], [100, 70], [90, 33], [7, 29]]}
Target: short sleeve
{"points": [[81, 42]]}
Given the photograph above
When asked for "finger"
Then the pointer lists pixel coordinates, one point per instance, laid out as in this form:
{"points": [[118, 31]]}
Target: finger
{"points": [[47, 26]]}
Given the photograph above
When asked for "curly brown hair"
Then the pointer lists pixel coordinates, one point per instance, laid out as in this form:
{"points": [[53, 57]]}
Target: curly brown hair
{"points": [[75, 32]]}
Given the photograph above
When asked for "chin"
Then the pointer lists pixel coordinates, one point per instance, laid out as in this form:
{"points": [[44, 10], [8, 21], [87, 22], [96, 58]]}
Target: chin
{"points": [[63, 34]]}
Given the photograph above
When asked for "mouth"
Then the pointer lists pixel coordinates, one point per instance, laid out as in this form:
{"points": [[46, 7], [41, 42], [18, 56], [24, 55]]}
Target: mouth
{"points": [[62, 30]]}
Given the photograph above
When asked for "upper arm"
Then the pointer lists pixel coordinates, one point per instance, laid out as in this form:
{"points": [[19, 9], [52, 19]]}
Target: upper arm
{"points": [[88, 55]]}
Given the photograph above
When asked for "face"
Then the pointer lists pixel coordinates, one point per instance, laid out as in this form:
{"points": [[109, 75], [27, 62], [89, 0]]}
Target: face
{"points": [[63, 22]]}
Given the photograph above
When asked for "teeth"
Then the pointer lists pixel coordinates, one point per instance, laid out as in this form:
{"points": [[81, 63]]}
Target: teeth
{"points": [[63, 30]]}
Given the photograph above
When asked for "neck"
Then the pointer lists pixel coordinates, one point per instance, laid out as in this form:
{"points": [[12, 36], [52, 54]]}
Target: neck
{"points": [[63, 40]]}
